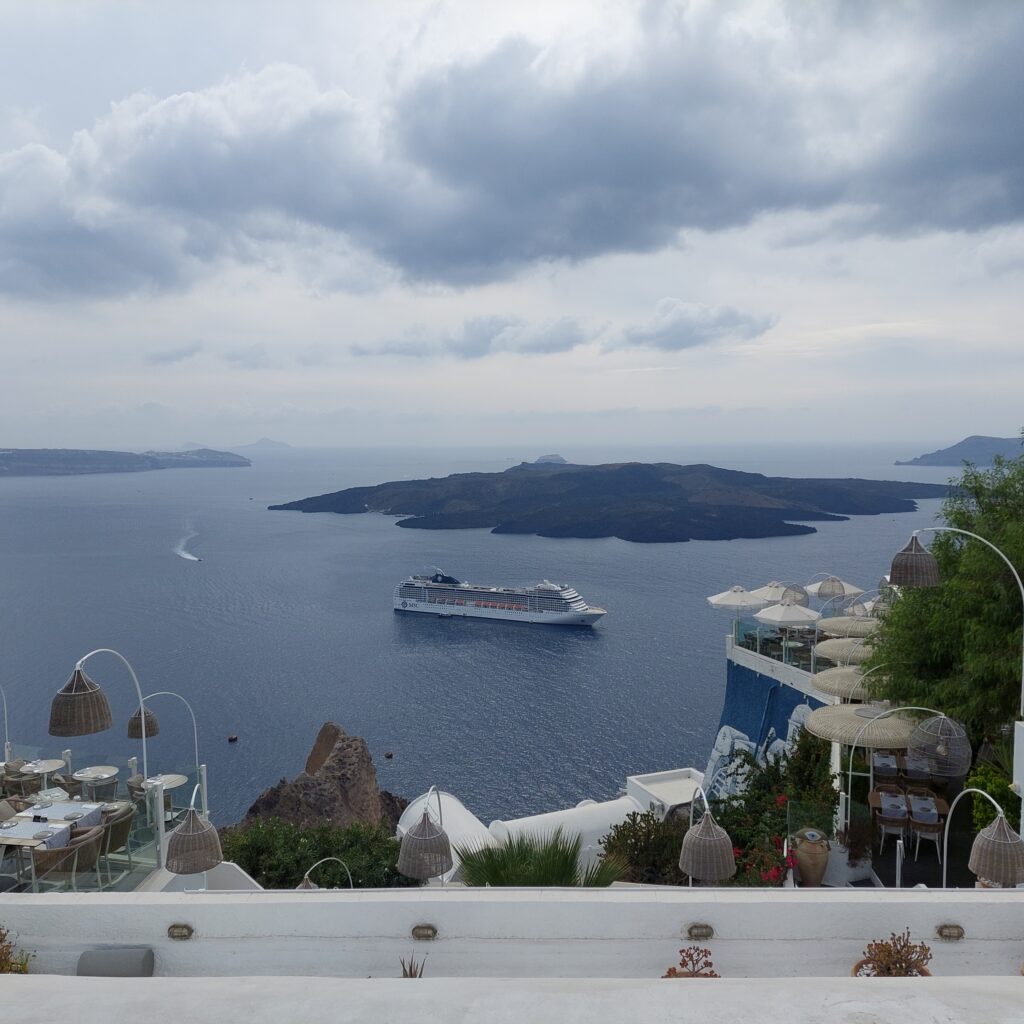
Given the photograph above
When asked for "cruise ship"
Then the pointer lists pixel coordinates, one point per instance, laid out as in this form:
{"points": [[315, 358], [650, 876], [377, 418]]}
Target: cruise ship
{"points": [[554, 604]]}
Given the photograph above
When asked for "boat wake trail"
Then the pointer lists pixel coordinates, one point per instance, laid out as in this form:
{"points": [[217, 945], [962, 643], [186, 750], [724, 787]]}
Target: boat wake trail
{"points": [[181, 548]]}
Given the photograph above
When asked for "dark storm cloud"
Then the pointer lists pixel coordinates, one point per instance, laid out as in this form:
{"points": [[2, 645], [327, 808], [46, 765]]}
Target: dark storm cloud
{"points": [[481, 168]]}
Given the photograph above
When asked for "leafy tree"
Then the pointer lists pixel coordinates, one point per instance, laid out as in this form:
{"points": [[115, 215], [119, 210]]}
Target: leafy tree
{"points": [[957, 647], [649, 847], [527, 859], [277, 854]]}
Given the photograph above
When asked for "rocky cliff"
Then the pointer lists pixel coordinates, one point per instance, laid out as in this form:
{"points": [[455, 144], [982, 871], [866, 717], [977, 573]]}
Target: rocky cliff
{"points": [[338, 785]]}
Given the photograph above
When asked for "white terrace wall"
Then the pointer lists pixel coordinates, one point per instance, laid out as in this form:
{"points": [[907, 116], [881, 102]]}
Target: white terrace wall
{"points": [[615, 933]]}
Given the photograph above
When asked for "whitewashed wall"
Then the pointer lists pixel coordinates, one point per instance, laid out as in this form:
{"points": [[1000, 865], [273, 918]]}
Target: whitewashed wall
{"points": [[621, 933]]}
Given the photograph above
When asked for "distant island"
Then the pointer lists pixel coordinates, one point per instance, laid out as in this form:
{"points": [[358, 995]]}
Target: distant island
{"points": [[633, 501], [74, 461], [554, 459], [977, 449], [263, 444]]}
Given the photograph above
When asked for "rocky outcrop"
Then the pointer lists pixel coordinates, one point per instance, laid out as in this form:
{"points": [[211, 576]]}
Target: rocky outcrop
{"points": [[338, 786]]}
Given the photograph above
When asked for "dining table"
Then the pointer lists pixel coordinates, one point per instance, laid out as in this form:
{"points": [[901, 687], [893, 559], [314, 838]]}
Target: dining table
{"points": [[18, 831], [42, 767], [899, 804], [885, 765], [77, 812]]}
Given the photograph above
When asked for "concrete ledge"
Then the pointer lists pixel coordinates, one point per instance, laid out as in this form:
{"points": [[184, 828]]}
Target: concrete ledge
{"points": [[271, 1000]]}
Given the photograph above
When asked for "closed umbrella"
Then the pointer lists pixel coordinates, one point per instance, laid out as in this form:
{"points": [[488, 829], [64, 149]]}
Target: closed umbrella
{"points": [[844, 651], [774, 592], [842, 723], [855, 626], [832, 587]]}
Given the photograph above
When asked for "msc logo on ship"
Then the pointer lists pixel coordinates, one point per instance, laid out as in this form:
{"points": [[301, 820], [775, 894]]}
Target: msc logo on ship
{"points": [[405, 604]]}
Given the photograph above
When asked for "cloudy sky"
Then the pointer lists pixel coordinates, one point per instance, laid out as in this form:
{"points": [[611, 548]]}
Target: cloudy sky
{"points": [[437, 222]]}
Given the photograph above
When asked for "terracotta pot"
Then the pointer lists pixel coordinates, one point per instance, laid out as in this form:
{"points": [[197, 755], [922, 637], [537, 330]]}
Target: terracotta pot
{"points": [[811, 848]]}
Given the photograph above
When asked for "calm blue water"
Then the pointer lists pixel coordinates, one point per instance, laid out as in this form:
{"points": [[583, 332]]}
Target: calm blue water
{"points": [[287, 622]]}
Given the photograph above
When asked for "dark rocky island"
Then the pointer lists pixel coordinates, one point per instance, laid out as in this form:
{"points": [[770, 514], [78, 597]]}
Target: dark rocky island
{"points": [[634, 501], [338, 785], [72, 461], [979, 450]]}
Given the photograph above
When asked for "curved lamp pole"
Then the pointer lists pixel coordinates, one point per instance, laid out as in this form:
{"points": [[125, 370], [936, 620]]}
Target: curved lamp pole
{"points": [[138, 689], [195, 739], [323, 860], [860, 732], [949, 817], [707, 803], [7, 739], [1010, 565]]}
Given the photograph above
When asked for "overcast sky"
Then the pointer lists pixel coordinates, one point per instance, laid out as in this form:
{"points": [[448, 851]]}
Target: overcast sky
{"points": [[552, 222]]}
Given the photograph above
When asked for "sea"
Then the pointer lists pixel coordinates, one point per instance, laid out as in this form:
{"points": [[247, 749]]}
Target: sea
{"points": [[271, 623]]}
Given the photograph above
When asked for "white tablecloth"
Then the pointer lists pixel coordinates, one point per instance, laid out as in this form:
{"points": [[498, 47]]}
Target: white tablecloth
{"points": [[91, 814], [26, 829]]}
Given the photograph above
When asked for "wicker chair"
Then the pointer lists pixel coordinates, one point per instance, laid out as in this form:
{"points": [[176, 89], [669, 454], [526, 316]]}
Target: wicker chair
{"points": [[117, 831], [70, 786], [102, 791], [891, 825], [61, 867], [931, 830], [23, 784], [888, 787], [921, 793], [7, 810]]}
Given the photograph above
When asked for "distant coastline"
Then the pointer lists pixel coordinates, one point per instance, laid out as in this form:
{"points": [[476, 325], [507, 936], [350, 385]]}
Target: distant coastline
{"points": [[641, 502], [976, 449], [74, 461]]}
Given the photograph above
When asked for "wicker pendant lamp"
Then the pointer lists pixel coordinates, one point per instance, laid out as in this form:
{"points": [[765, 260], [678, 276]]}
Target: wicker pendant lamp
{"points": [[914, 566], [79, 708], [135, 724], [943, 743], [194, 846], [998, 853], [706, 854], [426, 851]]}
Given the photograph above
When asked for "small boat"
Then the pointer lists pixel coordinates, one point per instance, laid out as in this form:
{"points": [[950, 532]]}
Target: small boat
{"points": [[232, 738], [389, 754]]}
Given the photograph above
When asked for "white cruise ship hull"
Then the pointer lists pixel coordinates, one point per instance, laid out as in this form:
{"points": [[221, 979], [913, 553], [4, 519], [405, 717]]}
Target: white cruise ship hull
{"points": [[469, 610]]}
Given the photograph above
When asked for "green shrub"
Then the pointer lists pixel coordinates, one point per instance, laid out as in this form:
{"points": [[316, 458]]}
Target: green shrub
{"points": [[12, 960], [525, 859], [648, 848], [277, 854], [993, 780]]}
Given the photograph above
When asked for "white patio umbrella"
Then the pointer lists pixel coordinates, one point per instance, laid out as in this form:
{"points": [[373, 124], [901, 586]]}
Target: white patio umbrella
{"points": [[736, 599], [849, 723], [831, 587], [775, 592], [787, 613], [849, 626], [845, 681], [844, 651]]}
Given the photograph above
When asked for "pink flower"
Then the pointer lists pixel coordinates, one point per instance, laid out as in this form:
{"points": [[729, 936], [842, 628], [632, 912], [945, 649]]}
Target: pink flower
{"points": [[780, 800]]}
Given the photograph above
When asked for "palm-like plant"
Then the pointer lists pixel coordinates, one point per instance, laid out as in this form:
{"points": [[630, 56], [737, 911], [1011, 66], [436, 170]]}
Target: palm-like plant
{"points": [[535, 860]]}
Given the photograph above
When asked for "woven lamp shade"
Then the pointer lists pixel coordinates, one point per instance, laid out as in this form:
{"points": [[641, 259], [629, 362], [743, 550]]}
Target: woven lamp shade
{"points": [[998, 854], [795, 594], [307, 883], [846, 681], [943, 742], [79, 708], [135, 725], [844, 650], [193, 847], [850, 626], [914, 566], [426, 851], [706, 853], [842, 723]]}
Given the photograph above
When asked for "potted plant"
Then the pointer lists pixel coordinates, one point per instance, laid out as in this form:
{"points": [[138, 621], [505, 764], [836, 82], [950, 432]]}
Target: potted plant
{"points": [[694, 962], [12, 961], [895, 957]]}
